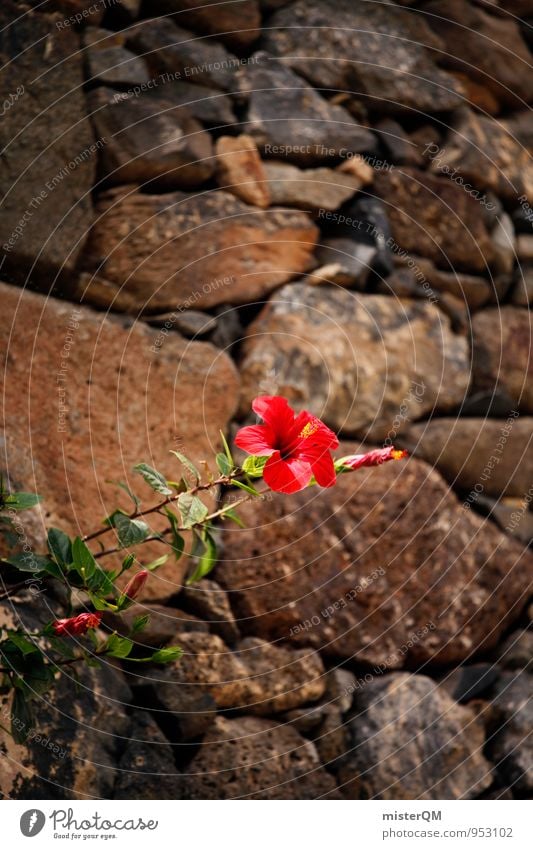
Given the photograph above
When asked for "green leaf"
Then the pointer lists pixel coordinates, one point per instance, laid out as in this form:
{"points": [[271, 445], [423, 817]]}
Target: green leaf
{"points": [[139, 623], [118, 646], [166, 655], [125, 488], [224, 465], [153, 478], [59, 546], [155, 564], [21, 717], [227, 449], [206, 561], [191, 468], [253, 466], [101, 582], [83, 560], [130, 531], [231, 514], [21, 500], [23, 644], [178, 543], [110, 520], [245, 487], [192, 510], [101, 603], [30, 562]]}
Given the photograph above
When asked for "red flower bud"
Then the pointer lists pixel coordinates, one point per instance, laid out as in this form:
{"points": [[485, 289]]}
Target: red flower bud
{"points": [[76, 626], [136, 584], [372, 458]]}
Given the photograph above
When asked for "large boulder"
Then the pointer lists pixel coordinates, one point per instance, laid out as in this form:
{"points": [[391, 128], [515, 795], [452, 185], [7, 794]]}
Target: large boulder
{"points": [[364, 570], [252, 758], [484, 455], [179, 250], [91, 397], [501, 357], [409, 740], [49, 151], [372, 50], [435, 218], [355, 359]]}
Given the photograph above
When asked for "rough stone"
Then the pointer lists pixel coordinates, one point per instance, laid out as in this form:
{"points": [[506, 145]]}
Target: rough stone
{"points": [[511, 749], [501, 355], [355, 260], [517, 650], [241, 171], [153, 249], [46, 192], [492, 455], [169, 49], [257, 678], [465, 31], [311, 189], [71, 756], [191, 323], [110, 62], [150, 139], [146, 767], [252, 758], [486, 153], [354, 359], [209, 601], [522, 294], [164, 624], [394, 71], [434, 217], [77, 418], [473, 291], [409, 740], [236, 23], [290, 119], [364, 570]]}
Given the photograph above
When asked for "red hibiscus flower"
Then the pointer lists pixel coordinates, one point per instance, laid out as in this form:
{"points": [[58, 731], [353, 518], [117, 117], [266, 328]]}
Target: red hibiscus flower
{"points": [[76, 626], [298, 446], [371, 458]]}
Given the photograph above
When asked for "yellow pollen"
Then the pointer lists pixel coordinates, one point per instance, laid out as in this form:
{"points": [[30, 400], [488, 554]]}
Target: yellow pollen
{"points": [[308, 430], [398, 455]]}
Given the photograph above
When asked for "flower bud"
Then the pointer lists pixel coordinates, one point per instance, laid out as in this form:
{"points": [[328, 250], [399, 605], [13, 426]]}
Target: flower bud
{"points": [[136, 584]]}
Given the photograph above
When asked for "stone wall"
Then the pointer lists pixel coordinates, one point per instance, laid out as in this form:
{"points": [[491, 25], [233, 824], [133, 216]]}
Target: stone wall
{"points": [[327, 201]]}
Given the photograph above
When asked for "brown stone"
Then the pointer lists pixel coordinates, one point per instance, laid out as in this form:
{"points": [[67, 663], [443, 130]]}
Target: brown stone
{"points": [[311, 189], [94, 397], [155, 246], [473, 291], [163, 625], [355, 359], [409, 740], [396, 73], [493, 456], [47, 167], [485, 47], [257, 678], [111, 63], [434, 217], [146, 769], [252, 758], [236, 23], [364, 570], [358, 167], [511, 748], [241, 171], [150, 139], [485, 153], [502, 357], [209, 601]]}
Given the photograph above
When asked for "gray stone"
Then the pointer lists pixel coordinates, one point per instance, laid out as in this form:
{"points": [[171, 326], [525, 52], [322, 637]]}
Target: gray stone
{"points": [[511, 747], [409, 740]]}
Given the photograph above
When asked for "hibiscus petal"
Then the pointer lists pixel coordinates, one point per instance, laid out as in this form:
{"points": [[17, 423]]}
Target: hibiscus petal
{"points": [[323, 469], [256, 439], [286, 476], [276, 412]]}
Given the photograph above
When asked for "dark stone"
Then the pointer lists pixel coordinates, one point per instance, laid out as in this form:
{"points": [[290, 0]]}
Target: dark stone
{"points": [[511, 748], [236, 23], [146, 769]]}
